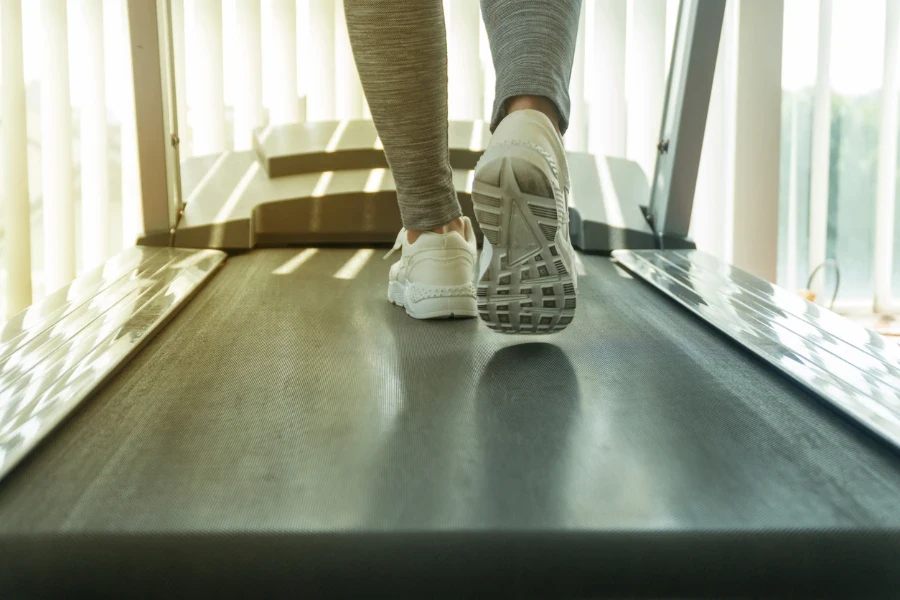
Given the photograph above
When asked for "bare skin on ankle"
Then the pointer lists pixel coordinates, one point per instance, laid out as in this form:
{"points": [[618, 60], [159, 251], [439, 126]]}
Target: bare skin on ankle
{"points": [[539, 103], [457, 225]]}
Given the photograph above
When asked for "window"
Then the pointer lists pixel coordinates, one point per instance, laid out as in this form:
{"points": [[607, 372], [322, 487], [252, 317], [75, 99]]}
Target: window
{"points": [[854, 56]]}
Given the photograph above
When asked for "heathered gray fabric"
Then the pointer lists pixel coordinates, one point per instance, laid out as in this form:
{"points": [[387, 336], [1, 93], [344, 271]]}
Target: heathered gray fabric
{"points": [[533, 47], [400, 49]]}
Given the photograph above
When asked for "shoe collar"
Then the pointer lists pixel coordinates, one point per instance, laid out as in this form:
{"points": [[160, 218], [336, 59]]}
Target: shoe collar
{"points": [[403, 240]]}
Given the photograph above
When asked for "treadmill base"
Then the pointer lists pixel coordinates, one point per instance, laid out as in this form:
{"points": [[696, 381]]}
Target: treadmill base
{"points": [[292, 429]]}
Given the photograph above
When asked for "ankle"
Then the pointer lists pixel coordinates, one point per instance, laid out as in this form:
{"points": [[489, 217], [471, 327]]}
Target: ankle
{"points": [[538, 103], [458, 225]]}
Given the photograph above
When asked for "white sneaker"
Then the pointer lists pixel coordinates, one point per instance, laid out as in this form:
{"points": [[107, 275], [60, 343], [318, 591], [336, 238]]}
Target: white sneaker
{"points": [[435, 276], [527, 281]]}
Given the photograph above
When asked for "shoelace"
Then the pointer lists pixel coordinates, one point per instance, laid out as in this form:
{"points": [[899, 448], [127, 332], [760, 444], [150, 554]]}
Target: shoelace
{"points": [[398, 244]]}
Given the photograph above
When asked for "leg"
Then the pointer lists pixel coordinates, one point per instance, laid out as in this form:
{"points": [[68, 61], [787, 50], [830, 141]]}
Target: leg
{"points": [[527, 280], [400, 50], [533, 47]]}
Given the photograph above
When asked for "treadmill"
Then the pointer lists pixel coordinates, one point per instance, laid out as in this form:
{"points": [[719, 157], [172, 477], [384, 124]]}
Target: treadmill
{"points": [[228, 409]]}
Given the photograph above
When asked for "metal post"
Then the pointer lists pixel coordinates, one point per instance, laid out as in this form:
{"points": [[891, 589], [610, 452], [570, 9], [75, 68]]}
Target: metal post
{"points": [[672, 7], [176, 8], [684, 119], [156, 135]]}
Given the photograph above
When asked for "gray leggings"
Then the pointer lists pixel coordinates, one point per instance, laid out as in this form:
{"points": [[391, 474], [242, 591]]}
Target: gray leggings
{"points": [[400, 48]]}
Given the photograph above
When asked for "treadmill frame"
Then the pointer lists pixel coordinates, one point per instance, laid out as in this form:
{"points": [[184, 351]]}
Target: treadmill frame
{"points": [[684, 117], [156, 123], [667, 209]]}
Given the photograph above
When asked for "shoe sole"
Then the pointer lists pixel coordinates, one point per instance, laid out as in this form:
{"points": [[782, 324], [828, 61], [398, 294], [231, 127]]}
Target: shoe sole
{"points": [[528, 287]]}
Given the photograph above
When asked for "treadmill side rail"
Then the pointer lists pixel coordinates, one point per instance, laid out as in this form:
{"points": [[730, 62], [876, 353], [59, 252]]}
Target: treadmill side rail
{"points": [[56, 353], [851, 367]]}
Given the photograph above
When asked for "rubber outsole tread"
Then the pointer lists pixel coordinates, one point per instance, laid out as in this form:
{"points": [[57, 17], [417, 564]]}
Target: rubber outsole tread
{"points": [[547, 304]]}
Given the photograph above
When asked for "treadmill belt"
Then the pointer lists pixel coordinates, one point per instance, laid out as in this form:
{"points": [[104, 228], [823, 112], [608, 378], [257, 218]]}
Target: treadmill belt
{"points": [[292, 429]]}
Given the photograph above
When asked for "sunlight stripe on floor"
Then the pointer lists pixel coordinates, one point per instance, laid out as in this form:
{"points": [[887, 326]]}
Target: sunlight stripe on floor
{"points": [[236, 194], [356, 263], [373, 183], [205, 179], [294, 263], [322, 184], [610, 198], [579, 266], [332, 144]]}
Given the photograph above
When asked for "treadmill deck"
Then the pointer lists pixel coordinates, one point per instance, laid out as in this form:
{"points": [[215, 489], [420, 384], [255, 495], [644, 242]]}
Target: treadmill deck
{"points": [[290, 402]]}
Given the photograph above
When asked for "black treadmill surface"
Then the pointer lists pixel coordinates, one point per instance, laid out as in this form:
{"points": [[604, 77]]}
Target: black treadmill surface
{"points": [[297, 423]]}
